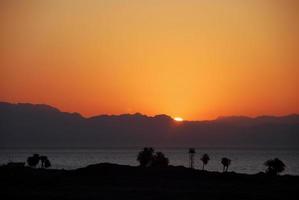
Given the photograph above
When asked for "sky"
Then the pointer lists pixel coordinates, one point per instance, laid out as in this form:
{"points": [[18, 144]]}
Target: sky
{"points": [[195, 59]]}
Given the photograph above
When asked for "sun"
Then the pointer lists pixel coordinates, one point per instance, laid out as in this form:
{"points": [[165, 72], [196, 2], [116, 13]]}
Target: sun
{"points": [[178, 119]]}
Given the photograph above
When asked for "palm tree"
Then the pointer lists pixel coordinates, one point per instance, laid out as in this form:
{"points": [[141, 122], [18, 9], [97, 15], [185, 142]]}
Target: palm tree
{"points": [[205, 159], [275, 166], [225, 162], [145, 157], [33, 161], [191, 157], [159, 160]]}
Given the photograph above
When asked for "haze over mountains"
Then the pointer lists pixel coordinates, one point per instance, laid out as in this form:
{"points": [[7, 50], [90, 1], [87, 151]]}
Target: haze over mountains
{"points": [[38, 126]]}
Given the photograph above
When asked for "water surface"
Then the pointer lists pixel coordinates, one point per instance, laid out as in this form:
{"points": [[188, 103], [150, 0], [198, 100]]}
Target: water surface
{"points": [[243, 160]]}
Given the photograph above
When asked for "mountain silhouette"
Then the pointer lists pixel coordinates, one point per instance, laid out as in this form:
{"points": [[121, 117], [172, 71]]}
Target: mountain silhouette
{"points": [[35, 126]]}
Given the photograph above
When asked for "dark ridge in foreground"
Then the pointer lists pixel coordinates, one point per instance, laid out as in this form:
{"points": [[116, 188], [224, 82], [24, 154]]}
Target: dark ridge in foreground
{"points": [[111, 181]]}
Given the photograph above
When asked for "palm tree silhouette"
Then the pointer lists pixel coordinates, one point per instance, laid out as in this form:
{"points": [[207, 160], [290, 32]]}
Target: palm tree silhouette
{"points": [[191, 157], [225, 162], [274, 166], [145, 157], [205, 159]]}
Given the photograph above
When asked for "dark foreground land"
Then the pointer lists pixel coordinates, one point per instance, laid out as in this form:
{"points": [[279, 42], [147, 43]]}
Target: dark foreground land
{"points": [[109, 181]]}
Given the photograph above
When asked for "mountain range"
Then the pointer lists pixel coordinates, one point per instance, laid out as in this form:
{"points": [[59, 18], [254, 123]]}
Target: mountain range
{"points": [[26, 125]]}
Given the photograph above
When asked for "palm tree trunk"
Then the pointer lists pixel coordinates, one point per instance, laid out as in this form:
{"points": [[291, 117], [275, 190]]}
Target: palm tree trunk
{"points": [[191, 161]]}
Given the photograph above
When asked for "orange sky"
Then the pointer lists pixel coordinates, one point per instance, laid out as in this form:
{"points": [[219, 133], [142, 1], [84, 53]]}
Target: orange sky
{"points": [[197, 59]]}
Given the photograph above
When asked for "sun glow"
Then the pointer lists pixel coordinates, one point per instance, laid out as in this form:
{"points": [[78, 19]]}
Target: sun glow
{"points": [[152, 57], [178, 119]]}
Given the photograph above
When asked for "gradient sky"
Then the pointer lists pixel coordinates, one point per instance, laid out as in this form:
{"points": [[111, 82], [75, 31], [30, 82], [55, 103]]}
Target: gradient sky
{"points": [[197, 59]]}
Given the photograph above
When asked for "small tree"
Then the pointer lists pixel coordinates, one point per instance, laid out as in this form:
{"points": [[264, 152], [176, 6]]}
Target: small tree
{"points": [[274, 166], [226, 163], [45, 163], [33, 161], [42, 160], [191, 157], [205, 159], [145, 157], [159, 160]]}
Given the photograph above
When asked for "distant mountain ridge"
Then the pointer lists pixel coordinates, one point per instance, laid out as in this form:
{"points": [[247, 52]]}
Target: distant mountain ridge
{"points": [[30, 125]]}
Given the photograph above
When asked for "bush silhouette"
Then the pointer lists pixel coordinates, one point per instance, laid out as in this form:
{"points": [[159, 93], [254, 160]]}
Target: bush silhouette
{"points": [[159, 160], [205, 159], [45, 163], [274, 166], [145, 157], [226, 163], [33, 161]]}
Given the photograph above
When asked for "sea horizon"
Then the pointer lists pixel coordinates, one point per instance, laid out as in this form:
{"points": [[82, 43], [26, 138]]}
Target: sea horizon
{"points": [[249, 161]]}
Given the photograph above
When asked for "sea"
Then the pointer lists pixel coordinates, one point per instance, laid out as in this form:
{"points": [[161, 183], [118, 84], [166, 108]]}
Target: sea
{"points": [[244, 160]]}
